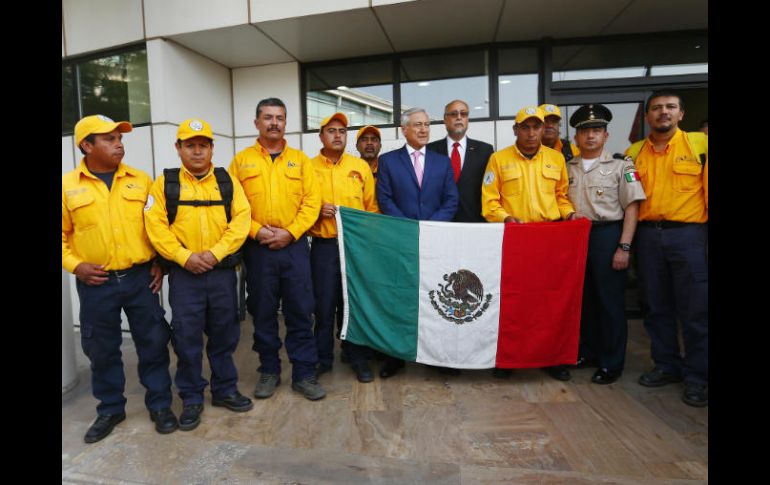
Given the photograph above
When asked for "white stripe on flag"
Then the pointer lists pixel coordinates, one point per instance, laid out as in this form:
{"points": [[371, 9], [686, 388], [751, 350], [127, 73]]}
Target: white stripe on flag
{"points": [[446, 249], [341, 242]]}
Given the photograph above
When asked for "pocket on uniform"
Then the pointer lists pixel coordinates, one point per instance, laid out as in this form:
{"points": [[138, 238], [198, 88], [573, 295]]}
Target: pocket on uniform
{"points": [[511, 181], [551, 176], [294, 182], [687, 176]]}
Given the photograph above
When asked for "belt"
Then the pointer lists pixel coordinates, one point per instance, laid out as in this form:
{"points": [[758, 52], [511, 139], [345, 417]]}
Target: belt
{"points": [[122, 273], [605, 223], [666, 224], [324, 240]]}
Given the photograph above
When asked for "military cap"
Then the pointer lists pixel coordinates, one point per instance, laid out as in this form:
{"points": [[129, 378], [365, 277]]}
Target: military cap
{"points": [[590, 116]]}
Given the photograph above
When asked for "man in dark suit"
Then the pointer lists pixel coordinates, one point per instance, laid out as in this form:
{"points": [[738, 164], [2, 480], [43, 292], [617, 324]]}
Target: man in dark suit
{"points": [[469, 160], [415, 183]]}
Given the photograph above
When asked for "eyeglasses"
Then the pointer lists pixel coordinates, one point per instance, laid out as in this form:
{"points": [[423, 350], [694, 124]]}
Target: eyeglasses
{"points": [[455, 114]]}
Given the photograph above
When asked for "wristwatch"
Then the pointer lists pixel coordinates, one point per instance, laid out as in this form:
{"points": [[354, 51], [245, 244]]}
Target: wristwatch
{"points": [[624, 246]]}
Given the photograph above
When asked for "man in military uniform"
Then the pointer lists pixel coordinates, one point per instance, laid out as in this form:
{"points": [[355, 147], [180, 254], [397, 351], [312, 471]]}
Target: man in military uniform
{"points": [[280, 184], [104, 243], [527, 182], [345, 181], [552, 133], [199, 236], [606, 190], [671, 247], [369, 144]]}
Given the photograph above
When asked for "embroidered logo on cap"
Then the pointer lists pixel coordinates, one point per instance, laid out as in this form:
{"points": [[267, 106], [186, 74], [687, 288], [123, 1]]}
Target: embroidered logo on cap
{"points": [[531, 111], [196, 125], [104, 118]]}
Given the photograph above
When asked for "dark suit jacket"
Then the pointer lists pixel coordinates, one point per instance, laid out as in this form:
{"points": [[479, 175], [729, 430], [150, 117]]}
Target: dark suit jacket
{"points": [[399, 195], [477, 155]]}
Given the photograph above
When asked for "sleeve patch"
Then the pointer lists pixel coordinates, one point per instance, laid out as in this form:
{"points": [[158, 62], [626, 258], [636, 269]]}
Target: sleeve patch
{"points": [[150, 201], [489, 177], [631, 176]]}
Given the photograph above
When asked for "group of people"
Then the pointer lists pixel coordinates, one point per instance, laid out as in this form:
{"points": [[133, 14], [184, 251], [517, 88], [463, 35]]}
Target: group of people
{"points": [[121, 232]]}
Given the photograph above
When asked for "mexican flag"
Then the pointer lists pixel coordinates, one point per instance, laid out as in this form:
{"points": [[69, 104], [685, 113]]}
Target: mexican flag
{"points": [[463, 295]]}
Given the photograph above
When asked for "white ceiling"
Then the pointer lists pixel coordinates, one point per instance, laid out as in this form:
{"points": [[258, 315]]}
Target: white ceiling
{"points": [[429, 24]]}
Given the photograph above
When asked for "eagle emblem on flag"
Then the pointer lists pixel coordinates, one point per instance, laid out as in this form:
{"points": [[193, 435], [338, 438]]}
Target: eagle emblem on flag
{"points": [[461, 299]]}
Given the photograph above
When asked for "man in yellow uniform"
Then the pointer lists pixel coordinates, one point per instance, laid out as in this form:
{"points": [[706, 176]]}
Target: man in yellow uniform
{"points": [[551, 133], [369, 144], [285, 199], [527, 182], [103, 242], [345, 181], [671, 247], [197, 219], [606, 190]]}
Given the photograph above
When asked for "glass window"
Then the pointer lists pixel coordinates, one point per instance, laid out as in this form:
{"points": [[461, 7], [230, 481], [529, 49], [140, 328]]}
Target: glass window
{"points": [[361, 90], [430, 82], [69, 99], [679, 69], [116, 86], [517, 82], [626, 58]]}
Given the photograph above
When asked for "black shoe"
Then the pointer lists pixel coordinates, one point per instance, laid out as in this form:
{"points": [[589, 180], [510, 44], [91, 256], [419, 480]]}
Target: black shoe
{"points": [[448, 371], [502, 373], [559, 372], [391, 368], [363, 372], [605, 376], [165, 421], [584, 362], [190, 417], [323, 369], [656, 378], [344, 358], [234, 402], [696, 395], [102, 427]]}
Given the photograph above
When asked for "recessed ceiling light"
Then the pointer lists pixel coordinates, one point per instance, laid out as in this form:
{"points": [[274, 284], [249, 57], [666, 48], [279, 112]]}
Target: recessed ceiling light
{"points": [[423, 84]]}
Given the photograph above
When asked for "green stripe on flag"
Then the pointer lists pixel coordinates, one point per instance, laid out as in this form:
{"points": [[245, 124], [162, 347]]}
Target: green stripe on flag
{"points": [[381, 272]]}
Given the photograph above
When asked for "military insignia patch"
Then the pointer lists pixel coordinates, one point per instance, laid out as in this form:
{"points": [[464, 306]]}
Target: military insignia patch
{"points": [[462, 299], [489, 177]]}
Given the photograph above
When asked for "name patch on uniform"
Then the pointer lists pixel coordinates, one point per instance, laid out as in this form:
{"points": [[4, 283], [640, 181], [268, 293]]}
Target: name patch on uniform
{"points": [[489, 177], [150, 201], [72, 193]]}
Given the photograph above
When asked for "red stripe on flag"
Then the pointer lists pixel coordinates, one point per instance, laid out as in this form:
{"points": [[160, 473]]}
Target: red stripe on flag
{"points": [[541, 292]]}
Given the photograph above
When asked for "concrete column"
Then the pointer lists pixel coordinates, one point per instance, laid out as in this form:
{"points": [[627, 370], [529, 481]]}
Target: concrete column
{"points": [[69, 376]]}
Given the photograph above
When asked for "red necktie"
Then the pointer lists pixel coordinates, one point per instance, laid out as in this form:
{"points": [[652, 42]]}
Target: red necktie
{"points": [[456, 161]]}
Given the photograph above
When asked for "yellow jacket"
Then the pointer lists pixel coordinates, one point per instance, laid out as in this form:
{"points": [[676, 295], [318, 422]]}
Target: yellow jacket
{"points": [[284, 193], [675, 180], [349, 183], [196, 229], [530, 190], [102, 227]]}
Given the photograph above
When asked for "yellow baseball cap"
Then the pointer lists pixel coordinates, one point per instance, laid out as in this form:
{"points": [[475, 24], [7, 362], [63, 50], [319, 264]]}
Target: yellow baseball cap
{"points": [[550, 110], [336, 116], [366, 128], [528, 112], [192, 127], [98, 124]]}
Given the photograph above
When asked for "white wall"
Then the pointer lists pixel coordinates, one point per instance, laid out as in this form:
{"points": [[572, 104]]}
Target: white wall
{"points": [[184, 85], [264, 10], [91, 24], [168, 17], [252, 84]]}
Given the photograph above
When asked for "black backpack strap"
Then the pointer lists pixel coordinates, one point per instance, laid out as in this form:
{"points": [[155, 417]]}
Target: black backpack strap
{"points": [[225, 189], [171, 189], [566, 150]]}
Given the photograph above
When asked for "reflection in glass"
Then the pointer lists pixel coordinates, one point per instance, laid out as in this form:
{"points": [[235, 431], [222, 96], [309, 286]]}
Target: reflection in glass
{"points": [[431, 82], [69, 99], [517, 83], [362, 90], [117, 86]]}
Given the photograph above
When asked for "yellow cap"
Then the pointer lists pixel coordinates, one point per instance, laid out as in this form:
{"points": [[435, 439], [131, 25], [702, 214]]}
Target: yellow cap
{"points": [[528, 112], [98, 124], [336, 116], [192, 127], [366, 128], [550, 110]]}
